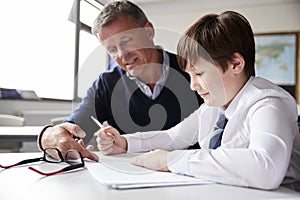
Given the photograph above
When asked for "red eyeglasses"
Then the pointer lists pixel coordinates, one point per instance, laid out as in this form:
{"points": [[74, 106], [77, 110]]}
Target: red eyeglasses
{"points": [[53, 155]]}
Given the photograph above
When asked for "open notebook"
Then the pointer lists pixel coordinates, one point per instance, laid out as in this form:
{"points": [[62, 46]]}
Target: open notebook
{"points": [[116, 172]]}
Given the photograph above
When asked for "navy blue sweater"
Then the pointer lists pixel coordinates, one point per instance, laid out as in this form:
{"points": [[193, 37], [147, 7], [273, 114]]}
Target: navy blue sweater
{"points": [[120, 102], [115, 98]]}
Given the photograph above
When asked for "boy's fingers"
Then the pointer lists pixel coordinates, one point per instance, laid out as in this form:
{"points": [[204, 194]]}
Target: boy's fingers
{"points": [[105, 147], [107, 151]]}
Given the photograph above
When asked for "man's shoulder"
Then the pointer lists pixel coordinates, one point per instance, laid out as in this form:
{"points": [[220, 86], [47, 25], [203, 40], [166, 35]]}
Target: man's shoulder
{"points": [[172, 56], [173, 63], [111, 77], [114, 72]]}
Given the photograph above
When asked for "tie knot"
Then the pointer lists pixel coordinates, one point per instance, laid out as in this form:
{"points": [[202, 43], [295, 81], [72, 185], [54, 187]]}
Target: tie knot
{"points": [[222, 121], [215, 140]]}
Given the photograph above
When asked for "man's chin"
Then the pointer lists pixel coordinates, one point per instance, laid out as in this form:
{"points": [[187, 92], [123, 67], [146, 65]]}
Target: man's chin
{"points": [[134, 72]]}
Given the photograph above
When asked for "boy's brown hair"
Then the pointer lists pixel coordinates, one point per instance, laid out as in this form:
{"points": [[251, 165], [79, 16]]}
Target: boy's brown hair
{"points": [[216, 38]]}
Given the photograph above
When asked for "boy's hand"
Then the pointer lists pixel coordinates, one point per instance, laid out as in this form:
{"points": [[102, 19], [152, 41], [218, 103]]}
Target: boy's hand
{"points": [[155, 160], [109, 141]]}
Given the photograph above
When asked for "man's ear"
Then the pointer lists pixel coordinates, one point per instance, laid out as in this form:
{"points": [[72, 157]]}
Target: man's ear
{"points": [[237, 63], [149, 30]]}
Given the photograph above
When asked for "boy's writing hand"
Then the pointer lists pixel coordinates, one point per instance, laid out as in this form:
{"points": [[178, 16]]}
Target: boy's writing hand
{"points": [[155, 160], [109, 141]]}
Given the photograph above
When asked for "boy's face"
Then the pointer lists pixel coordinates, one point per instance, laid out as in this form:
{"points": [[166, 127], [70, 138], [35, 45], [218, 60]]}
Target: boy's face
{"points": [[211, 83]]}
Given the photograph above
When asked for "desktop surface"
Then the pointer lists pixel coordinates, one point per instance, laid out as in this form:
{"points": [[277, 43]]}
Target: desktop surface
{"points": [[22, 183]]}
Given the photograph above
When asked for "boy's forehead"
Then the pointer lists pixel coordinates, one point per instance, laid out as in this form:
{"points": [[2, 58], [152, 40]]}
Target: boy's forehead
{"points": [[189, 67], [199, 64]]}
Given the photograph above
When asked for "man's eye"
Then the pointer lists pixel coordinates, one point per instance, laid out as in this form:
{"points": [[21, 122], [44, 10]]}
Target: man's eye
{"points": [[126, 41], [112, 50]]}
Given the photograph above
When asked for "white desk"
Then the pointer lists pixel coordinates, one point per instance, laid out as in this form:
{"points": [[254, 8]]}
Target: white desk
{"points": [[21, 183], [19, 134]]}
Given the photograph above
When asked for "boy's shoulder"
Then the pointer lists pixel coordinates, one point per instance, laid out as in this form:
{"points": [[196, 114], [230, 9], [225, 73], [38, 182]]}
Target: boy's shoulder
{"points": [[268, 88], [258, 88]]}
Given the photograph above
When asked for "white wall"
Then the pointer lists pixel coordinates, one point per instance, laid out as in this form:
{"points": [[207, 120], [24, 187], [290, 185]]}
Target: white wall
{"points": [[279, 17]]}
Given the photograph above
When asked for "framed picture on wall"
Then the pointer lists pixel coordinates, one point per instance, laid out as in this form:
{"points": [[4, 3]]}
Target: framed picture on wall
{"points": [[276, 58]]}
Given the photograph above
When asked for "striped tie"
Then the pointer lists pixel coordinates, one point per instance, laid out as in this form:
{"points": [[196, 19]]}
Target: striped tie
{"points": [[215, 140]]}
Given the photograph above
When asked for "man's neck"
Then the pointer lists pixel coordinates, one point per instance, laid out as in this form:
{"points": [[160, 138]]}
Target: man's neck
{"points": [[154, 70]]}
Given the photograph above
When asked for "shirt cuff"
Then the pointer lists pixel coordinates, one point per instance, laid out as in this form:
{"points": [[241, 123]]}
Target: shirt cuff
{"points": [[39, 138], [178, 161], [133, 143]]}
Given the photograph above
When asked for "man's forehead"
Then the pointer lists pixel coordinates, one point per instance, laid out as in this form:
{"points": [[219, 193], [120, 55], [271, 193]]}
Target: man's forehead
{"points": [[110, 37]]}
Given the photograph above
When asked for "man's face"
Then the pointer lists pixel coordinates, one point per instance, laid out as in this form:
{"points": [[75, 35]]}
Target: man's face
{"points": [[128, 43]]}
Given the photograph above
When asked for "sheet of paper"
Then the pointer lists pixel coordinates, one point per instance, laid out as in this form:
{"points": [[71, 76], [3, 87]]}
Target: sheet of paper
{"points": [[116, 172]]}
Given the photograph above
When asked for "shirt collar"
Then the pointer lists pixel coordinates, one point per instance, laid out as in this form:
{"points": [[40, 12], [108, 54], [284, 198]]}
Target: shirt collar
{"points": [[236, 103]]}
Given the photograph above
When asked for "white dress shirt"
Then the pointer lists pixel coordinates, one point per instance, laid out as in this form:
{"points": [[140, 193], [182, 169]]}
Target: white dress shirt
{"points": [[260, 144], [160, 83]]}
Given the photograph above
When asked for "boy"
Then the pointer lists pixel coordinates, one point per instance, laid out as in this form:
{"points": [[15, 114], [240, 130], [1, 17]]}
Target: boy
{"points": [[257, 143]]}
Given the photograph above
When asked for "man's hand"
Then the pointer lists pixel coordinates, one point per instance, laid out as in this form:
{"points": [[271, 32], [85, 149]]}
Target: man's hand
{"points": [[155, 160], [61, 137], [109, 141]]}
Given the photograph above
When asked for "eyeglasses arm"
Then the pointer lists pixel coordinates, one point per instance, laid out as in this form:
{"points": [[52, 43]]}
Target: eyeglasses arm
{"points": [[68, 168], [22, 162]]}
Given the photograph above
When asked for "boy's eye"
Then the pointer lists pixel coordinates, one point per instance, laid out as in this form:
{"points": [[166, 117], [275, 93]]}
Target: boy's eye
{"points": [[199, 74]]}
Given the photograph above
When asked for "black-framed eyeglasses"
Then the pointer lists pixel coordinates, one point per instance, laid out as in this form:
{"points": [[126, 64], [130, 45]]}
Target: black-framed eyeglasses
{"points": [[53, 155]]}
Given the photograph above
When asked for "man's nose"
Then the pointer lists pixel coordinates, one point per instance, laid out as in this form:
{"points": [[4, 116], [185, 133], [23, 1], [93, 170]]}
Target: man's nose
{"points": [[122, 52]]}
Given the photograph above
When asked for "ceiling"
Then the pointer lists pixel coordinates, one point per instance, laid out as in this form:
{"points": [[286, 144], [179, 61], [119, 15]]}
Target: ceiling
{"points": [[211, 3], [167, 6]]}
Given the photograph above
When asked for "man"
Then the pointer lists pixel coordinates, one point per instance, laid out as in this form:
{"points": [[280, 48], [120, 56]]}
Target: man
{"points": [[247, 127], [145, 91]]}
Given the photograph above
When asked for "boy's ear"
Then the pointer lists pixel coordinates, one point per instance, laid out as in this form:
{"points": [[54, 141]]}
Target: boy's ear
{"points": [[237, 63], [149, 30]]}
